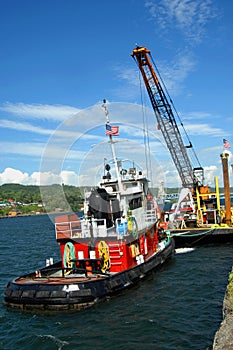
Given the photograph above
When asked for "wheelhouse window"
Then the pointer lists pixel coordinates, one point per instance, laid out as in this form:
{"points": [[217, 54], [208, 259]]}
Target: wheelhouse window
{"points": [[135, 203]]}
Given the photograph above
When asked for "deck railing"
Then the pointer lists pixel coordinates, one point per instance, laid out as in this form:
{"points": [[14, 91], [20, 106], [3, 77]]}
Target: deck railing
{"points": [[81, 228], [91, 227]]}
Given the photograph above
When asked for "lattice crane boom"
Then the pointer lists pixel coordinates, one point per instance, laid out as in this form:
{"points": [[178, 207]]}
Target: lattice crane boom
{"points": [[166, 120]]}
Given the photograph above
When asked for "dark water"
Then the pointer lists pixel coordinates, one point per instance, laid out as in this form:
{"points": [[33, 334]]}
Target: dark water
{"points": [[179, 308]]}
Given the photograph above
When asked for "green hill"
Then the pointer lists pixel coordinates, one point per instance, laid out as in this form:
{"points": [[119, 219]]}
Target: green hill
{"points": [[28, 198]]}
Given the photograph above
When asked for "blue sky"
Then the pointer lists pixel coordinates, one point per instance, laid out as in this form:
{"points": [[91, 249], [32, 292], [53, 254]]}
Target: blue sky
{"points": [[60, 58]]}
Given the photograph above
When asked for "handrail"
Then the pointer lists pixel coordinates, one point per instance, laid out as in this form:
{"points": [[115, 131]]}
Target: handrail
{"points": [[85, 227]]}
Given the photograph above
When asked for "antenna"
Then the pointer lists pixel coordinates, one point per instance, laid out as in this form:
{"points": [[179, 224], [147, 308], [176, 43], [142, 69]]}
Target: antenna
{"points": [[104, 106]]}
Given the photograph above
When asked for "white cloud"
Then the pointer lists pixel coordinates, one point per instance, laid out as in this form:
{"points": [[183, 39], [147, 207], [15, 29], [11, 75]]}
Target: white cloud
{"points": [[165, 171], [204, 129], [61, 158], [34, 149], [39, 111], [10, 175], [69, 177], [9, 124], [175, 72], [210, 173], [47, 178], [188, 16], [197, 115], [27, 127], [22, 148], [127, 74]]}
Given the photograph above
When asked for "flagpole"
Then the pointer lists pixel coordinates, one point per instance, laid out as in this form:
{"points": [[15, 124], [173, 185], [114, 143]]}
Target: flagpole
{"points": [[112, 146]]}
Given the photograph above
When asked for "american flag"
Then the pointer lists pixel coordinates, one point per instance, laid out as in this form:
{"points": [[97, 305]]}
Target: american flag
{"points": [[112, 130], [226, 144]]}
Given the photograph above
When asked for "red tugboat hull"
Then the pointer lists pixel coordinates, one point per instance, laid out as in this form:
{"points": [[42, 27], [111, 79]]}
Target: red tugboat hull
{"points": [[47, 292]]}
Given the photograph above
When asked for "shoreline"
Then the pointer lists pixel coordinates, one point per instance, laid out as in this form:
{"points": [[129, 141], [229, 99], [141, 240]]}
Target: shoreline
{"points": [[21, 215], [223, 336]]}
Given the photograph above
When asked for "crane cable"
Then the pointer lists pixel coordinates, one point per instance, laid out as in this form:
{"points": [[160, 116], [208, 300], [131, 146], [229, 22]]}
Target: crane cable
{"points": [[145, 131], [177, 114]]}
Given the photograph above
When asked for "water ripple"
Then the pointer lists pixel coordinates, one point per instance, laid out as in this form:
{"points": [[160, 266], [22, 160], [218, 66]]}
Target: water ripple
{"points": [[179, 307]]}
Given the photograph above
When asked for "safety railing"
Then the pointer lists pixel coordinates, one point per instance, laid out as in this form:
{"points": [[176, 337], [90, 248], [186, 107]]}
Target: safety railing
{"points": [[82, 228]]}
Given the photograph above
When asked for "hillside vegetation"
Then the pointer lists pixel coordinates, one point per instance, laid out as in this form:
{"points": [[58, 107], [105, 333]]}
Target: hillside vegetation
{"points": [[26, 199]]}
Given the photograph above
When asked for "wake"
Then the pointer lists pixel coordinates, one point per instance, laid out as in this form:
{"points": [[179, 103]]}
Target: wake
{"points": [[184, 250]]}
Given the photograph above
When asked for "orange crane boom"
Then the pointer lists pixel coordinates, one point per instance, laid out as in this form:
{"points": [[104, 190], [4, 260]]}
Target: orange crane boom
{"points": [[190, 177]]}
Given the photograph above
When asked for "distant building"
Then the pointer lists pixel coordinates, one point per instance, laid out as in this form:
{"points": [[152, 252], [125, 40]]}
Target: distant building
{"points": [[14, 213], [4, 204]]}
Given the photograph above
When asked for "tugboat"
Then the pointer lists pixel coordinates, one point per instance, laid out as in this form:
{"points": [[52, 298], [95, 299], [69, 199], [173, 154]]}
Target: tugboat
{"points": [[113, 246]]}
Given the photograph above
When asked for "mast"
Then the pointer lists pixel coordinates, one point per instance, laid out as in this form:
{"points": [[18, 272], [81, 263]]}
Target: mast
{"points": [[112, 146]]}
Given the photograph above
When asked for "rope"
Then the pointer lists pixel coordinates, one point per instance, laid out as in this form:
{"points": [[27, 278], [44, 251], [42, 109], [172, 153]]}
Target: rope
{"points": [[194, 235], [145, 130], [202, 234]]}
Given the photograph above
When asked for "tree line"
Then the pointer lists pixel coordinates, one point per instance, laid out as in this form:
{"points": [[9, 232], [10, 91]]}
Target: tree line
{"points": [[26, 198]]}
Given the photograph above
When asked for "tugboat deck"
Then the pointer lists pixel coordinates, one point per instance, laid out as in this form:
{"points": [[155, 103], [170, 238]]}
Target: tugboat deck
{"points": [[58, 280]]}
